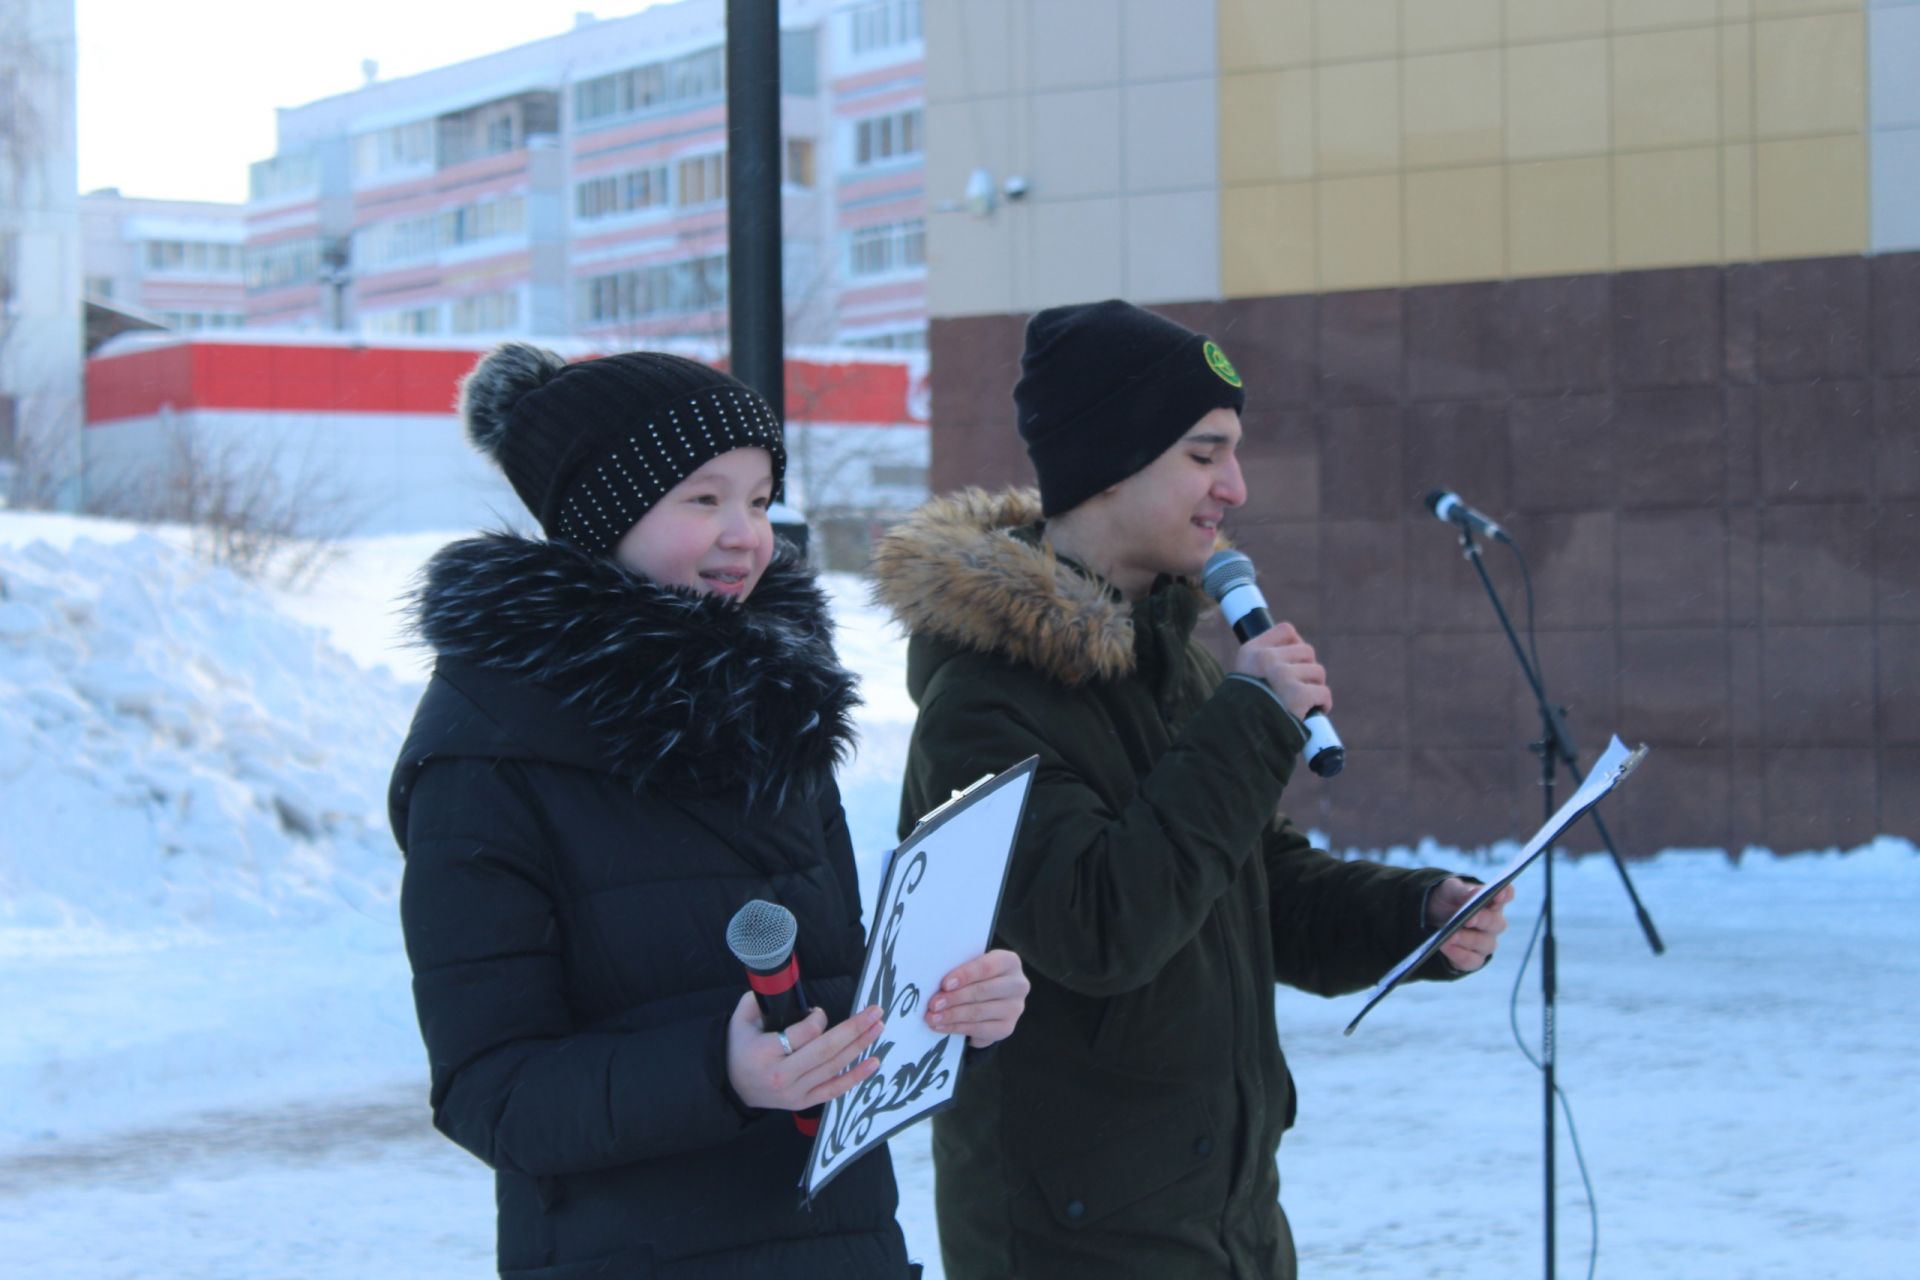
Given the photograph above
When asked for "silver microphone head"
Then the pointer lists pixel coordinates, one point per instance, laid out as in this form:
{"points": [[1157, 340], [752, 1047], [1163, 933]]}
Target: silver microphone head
{"points": [[1226, 569], [761, 934]]}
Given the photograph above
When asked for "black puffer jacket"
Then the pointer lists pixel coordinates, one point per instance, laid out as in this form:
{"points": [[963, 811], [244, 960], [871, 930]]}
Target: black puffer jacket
{"points": [[601, 771]]}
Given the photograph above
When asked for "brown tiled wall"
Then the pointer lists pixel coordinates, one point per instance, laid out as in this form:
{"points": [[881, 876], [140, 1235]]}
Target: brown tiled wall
{"points": [[1714, 473]]}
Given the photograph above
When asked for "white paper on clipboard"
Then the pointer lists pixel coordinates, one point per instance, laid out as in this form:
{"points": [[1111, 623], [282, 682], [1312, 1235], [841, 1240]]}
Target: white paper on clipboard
{"points": [[1613, 766], [939, 896]]}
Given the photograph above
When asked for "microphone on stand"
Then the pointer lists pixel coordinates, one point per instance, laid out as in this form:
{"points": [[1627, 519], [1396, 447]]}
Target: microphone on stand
{"points": [[1448, 507], [761, 936], [1228, 578]]}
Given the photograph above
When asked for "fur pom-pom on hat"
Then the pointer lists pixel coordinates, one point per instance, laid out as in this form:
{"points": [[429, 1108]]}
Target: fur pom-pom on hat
{"points": [[591, 445], [496, 384]]}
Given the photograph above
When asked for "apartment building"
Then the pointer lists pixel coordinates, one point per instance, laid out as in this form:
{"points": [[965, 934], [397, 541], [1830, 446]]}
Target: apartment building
{"points": [[177, 262], [577, 186]]}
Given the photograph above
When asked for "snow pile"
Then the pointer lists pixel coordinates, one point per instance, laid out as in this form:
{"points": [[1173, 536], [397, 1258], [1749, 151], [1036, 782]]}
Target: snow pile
{"points": [[175, 750]]}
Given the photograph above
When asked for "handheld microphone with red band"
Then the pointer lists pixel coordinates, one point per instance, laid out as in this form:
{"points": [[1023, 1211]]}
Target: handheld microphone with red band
{"points": [[1228, 578], [761, 936]]}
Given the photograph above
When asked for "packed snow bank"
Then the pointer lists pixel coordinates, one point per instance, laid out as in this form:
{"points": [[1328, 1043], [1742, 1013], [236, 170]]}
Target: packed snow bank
{"points": [[175, 750]]}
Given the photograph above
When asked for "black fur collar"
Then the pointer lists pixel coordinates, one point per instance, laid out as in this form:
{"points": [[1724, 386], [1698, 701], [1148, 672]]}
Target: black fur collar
{"points": [[684, 689]]}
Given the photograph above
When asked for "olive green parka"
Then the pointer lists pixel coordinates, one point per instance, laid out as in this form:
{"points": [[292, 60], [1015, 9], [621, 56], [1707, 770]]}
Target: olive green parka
{"points": [[1129, 1126]]}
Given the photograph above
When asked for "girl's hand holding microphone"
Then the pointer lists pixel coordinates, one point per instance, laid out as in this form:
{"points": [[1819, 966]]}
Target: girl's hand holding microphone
{"points": [[803, 1066]]}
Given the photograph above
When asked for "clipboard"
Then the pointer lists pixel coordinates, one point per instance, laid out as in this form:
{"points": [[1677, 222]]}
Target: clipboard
{"points": [[1613, 767], [938, 903]]}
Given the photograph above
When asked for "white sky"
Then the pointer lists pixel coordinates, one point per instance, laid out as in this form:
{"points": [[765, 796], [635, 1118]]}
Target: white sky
{"points": [[177, 99]]}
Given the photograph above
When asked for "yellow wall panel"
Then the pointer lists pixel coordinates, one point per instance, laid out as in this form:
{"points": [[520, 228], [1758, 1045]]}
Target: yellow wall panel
{"points": [[1666, 90], [1810, 75], [1555, 19], [1267, 240], [1257, 35], [1356, 117], [1456, 224], [1452, 108], [1810, 196], [1666, 208], [1434, 26], [1556, 99], [1736, 81], [1559, 217], [1737, 243], [1348, 29], [1357, 221], [1266, 126]]}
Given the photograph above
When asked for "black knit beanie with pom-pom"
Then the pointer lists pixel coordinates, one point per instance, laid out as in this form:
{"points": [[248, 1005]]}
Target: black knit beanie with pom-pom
{"points": [[591, 446]]}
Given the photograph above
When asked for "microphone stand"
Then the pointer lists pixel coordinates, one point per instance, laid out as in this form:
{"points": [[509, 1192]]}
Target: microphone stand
{"points": [[1554, 748]]}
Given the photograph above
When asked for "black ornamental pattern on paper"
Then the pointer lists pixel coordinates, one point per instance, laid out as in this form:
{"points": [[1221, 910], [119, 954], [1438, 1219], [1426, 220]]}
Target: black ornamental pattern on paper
{"points": [[883, 1093]]}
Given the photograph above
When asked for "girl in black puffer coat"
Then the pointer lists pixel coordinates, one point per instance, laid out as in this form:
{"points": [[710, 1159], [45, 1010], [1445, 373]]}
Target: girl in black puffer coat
{"points": [[630, 732]]}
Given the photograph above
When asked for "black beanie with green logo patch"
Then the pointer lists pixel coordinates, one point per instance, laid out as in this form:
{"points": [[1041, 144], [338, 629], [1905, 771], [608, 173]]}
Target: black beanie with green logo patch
{"points": [[1107, 387]]}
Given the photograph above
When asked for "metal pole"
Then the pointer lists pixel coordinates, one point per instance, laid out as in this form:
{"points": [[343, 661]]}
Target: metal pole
{"points": [[754, 303]]}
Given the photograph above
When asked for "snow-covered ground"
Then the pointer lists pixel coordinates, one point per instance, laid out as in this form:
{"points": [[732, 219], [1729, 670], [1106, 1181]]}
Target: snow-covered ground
{"points": [[209, 1065]]}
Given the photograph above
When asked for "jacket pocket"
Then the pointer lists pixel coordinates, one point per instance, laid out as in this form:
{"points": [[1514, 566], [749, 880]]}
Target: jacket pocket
{"points": [[628, 1264], [1152, 1155]]}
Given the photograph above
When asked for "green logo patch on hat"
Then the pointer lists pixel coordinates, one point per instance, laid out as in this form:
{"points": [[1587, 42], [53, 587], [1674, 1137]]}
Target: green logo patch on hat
{"points": [[1218, 362]]}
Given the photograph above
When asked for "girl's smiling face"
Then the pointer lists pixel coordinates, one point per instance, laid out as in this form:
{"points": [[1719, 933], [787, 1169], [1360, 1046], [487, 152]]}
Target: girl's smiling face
{"points": [[711, 531]]}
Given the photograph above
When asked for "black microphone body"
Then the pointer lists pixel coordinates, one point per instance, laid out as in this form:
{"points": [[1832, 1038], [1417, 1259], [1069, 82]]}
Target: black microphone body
{"points": [[1229, 579], [761, 936], [1448, 506]]}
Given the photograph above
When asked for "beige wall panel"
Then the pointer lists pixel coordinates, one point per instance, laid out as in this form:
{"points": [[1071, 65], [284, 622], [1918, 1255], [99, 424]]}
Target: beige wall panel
{"points": [[1357, 221], [1666, 208], [1810, 197], [1267, 243], [1776, 8], [1172, 246], [1559, 217], [1344, 30], [1075, 43], [1356, 117], [1555, 19], [1163, 40], [1648, 15], [1737, 240], [977, 40], [1171, 138], [1435, 26], [1666, 88], [971, 263], [1452, 108], [1736, 81], [1456, 224], [972, 134], [1266, 126], [1736, 9], [1076, 143], [1076, 254], [1258, 35], [1557, 100], [1810, 75]]}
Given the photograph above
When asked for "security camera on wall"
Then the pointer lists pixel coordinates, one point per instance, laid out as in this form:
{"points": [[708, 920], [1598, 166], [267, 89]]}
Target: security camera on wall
{"points": [[1014, 188]]}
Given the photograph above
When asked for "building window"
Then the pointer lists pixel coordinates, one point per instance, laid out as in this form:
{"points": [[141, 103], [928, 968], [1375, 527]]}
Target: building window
{"points": [[887, 248], [404, 146], [883, 24], [100, 287], [487, 312], [799, 163], [483, 220], [902, 340], [675, 288], [411, 322], [702, 179], [282, 265], [282, 176], [617, 193], [675, 81], [9, 429], [884, 139]]}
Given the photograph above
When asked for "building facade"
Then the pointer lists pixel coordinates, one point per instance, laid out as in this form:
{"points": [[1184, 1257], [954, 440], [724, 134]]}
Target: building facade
{"points": [[1640, 278], [577, 186], [178, 262], [40, 310]]}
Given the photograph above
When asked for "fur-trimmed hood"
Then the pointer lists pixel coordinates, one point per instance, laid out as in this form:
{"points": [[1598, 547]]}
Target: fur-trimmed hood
{"points": [[968, 569], [670, 687]]}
